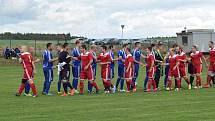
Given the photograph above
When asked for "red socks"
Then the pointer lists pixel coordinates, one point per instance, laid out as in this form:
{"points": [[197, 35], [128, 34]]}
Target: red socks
{"points": [[128, 83], [21, 88], [95, 85], [209, 80], [81, 87], [33, 87], [198, 81]]}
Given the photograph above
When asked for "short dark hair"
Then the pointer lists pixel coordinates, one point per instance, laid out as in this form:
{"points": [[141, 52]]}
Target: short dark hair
{"points": [[48, 45], [77, 42], [65, 45], [104, 47], [124, 45], [111, 46], [150, 49], [128, 49], [195, 46], [84, 47], [136, 43], [211, 42], [152, 45]]}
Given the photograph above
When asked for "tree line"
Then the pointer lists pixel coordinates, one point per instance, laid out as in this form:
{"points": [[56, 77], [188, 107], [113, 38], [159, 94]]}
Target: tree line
{"points": [[36, 36]]}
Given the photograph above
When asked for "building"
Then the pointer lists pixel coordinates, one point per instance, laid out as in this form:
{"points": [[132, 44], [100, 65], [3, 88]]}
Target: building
{"points": [[199, 37]]}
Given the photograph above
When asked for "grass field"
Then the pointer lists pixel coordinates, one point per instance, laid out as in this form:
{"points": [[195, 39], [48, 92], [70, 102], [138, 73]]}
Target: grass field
{"points": [[186, 105]]}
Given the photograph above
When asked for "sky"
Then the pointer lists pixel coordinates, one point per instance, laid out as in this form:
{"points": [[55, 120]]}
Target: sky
{"points": [[103, 18]]}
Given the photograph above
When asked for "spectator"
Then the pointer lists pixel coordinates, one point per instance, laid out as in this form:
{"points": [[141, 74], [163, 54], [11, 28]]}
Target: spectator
{"points": [[7, 53]]}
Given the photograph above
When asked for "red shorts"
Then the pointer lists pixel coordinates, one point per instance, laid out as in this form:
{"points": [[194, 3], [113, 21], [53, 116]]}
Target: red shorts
{"points": [[129, 74], [28, 73], [86, 74], [197, 69], [182, 71], [211, 68], [174, 73], [105, 73], [152, 72]]}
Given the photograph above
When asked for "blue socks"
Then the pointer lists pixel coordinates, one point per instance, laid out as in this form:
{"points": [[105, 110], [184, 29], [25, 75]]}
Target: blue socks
{"points": [[75, 83]]}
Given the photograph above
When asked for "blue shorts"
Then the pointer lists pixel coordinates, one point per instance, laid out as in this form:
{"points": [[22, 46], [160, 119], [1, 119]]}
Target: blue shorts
{"points": [[112, 72], [76, 72], [121, 71], [48, 74], [136, 70]]}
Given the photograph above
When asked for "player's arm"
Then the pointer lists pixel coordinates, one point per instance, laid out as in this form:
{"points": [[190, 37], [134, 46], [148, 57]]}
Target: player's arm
{"points": [[88, 65], [129, 66], [177, 64], [152, 64]]}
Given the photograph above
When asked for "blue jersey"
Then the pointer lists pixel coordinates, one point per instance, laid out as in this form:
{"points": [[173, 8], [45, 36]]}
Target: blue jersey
{"points": [[136, 55], [123, 55], [47, 56], [76, 53], [94, 60], [112, 57]]}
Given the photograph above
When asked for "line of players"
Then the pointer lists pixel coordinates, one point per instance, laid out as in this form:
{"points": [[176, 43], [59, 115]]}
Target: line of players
{"points": [[84, 64]]}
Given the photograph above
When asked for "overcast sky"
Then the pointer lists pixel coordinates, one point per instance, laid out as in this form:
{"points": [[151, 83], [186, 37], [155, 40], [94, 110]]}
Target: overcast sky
{"points": [[102, 18]]}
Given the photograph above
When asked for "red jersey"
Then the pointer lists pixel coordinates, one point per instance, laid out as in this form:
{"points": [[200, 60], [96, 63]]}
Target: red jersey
{"points": [[129, 59], [212, 55], [85, 59], [150, 58], [105, 60], [183, 57], [27, 60], [196, 58], [173, 61]]}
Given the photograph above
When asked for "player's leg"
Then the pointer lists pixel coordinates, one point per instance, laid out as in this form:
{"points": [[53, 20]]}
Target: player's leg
{"points": [[209, 76], [46, 77], [65, 80], [146, 80], [120, 74], [90, 77], [136, 72], [166, 76], [48, 83], [157, 75], [59, 84], [27, 89], [75, 73], [21, 88], [122, 80]]}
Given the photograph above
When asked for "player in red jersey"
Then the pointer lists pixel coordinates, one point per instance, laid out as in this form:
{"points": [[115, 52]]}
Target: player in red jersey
{"points": [[173, 70], [86, 69], [182, 65], [28, 65], [150, 60], [105, 59], [196, 57], [129, 69], [211, 68]]}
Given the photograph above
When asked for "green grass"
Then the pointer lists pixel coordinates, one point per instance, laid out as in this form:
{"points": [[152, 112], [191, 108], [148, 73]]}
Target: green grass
{"points": [[186, 105]]}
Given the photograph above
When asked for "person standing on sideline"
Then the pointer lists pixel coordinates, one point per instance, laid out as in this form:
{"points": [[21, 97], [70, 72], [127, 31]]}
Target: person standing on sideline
{"points": [[48, 68], [76, 65]]}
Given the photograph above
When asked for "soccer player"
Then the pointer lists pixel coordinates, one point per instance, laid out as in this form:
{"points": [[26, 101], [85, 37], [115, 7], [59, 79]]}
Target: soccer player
{"points": [[121, 67], [158, 61], [94, 66], [86, 69], [173, 70], [112, 66], [129, 68], [64, 60], [76, 65], [137, 54], [197, 57], [182, 65], [28, 65], [59, 50], [48, 68], [211, 68], [151, 69], [105, 60]]}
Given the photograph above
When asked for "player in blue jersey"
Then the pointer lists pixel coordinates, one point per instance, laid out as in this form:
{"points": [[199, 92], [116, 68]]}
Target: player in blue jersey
{"points": [[121, 67], [76, 65], [48, 68], [137, 54]]}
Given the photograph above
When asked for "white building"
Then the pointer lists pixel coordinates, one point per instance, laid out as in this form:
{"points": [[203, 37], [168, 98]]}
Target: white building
{"points": [[199, 37]]}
